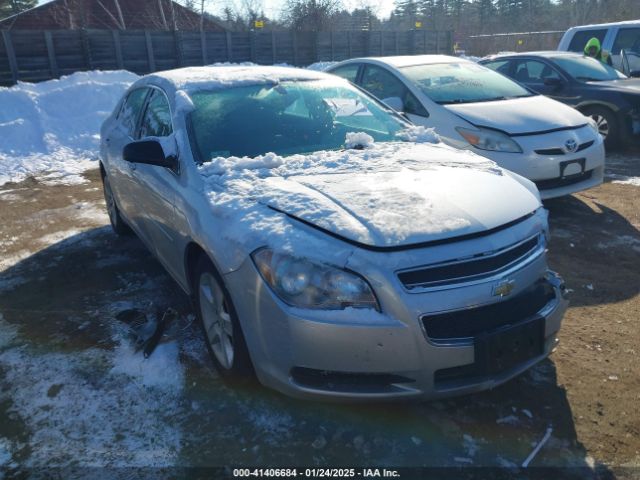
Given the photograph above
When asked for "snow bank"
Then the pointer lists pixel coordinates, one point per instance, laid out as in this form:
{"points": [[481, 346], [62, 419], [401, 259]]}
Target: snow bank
{"points": [[51, 129]]}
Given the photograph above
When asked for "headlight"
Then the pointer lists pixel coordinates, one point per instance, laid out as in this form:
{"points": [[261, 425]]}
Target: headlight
{"points": [[492, 140], [302, 283], [592, 123]]}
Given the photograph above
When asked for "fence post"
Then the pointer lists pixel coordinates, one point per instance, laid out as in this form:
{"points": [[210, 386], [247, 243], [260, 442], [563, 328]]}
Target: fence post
{"points": [[229, 49], [273, 46], [295, 47], [150, 56], [118, 48], [381, 42], [53, 65], [395, 39], [86, 48], [424, 39], [203, 47], [350, 48], [333, 54], [252, 46], [178, 42], [437, 41], [11, 55]]}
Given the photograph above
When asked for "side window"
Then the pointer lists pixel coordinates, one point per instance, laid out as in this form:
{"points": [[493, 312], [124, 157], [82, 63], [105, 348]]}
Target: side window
{"points": [[350, 72], [157, 117], [533, 71], [131, 107], [383, 84], [581, 38], [627, 39]]}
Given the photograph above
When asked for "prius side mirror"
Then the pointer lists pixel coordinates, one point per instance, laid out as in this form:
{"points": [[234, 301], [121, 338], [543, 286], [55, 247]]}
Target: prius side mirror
{"points": [[149, 152]]}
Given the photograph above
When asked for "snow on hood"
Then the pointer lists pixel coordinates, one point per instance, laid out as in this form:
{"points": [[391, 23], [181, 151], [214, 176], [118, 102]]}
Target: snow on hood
{"points": [[387, 195], [630, 85], [520, 115]]}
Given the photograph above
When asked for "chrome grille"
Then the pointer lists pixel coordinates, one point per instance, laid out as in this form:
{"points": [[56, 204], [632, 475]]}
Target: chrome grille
{"points": [[470, 269]]}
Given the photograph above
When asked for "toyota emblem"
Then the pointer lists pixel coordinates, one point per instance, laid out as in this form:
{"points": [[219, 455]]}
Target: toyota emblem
{"points": [[571, 145]]}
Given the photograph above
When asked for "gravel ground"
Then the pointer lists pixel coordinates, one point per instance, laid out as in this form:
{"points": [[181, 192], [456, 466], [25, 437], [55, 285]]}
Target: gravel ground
{"points": [[73, 391]]}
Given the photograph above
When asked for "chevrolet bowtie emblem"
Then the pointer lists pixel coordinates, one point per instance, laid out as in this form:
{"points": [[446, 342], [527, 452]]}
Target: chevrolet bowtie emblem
{"points": [[504, 288]]}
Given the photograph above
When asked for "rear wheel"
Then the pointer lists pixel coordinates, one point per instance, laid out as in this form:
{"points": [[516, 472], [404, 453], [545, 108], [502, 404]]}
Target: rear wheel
{"points": [[607, 124], [219, 322], [117, 223]]}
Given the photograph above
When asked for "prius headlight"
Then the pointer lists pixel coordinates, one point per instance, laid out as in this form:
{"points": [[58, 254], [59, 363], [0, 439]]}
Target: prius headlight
{"points": [[491, 140], [306, 284]]}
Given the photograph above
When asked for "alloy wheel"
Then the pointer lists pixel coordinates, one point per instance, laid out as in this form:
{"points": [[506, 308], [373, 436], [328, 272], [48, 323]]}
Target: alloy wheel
{"points": [[216, 317], [602, 124]]}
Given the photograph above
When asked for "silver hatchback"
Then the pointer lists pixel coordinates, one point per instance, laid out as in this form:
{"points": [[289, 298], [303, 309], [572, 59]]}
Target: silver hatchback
{"points": [[331, 248]]}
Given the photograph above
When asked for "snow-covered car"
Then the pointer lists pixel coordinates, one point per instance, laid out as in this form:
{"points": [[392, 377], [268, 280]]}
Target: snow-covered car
{"points": [[472, 107], [329, 247]]}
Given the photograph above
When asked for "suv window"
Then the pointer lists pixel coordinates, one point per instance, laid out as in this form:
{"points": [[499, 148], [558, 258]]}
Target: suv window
{"points": [[580, 39], [384, 84], [534, 71], [157, 117], [350, 72], [627, 39], [131, 108]]}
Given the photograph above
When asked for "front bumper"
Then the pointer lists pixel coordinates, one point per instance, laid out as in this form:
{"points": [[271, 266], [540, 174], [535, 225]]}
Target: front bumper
{"points": [[356, 355], [543, 158]]}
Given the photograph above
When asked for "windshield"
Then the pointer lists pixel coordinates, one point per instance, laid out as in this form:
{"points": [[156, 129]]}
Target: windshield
{"points": [[446, 83], [285, 118], [587, 69]]}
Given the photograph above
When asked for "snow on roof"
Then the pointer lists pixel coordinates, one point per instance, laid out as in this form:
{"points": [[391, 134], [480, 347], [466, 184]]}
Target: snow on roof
{"points": [[410, 60], [226, 76]]}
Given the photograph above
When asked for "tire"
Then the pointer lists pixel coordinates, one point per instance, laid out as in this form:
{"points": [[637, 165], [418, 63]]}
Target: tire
{"points": [[219, 322], [115, 218], [607, 124]]}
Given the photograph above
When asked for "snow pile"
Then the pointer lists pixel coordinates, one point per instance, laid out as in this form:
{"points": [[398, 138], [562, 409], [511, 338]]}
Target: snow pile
{"points": [[51, 129], [419, 134], [358, 140]]}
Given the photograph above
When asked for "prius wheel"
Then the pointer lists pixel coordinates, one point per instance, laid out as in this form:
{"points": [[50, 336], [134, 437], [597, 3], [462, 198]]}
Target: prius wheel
{"points": [[607, 124], [117, 223], [220, 325]]}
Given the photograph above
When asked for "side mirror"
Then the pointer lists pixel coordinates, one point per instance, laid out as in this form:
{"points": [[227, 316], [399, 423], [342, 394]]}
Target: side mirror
{"points": [[553, 82], [394, 102], [149, 152]]}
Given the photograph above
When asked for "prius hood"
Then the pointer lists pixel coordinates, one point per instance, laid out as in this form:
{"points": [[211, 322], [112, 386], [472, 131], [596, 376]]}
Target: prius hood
{"points": [[406, 206], [519, 116]]}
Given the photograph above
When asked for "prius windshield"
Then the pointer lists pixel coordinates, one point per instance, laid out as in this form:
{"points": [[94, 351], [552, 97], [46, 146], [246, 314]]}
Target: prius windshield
{"points": [[285, 118], [464, 82]]}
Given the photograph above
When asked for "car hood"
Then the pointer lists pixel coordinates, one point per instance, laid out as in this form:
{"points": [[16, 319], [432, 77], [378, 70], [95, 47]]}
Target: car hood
{"points": [[520, 115], [406, 206], [627, 85]]}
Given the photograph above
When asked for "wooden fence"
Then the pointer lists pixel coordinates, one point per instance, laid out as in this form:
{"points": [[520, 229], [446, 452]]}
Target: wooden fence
{"points": [[481, 45], [35, 55]]}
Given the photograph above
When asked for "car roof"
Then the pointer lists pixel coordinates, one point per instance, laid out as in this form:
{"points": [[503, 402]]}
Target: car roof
{"points": [[544, 54], [215, 77], [605, 25], [409, 60]]}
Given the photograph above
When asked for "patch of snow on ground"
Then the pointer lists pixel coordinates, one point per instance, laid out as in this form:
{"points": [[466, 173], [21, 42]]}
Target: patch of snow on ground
{"points": [[81, 412], [161, 369], [5, 453], [625, 180], [50, 130], [621, 241]]}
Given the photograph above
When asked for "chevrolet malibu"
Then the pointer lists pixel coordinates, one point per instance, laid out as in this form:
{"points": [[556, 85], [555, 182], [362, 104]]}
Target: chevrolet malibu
{"points": [[331, 248], [472, 107]]}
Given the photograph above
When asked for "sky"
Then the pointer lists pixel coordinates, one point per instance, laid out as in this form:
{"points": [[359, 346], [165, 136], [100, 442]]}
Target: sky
{"points": [[273, 8]]}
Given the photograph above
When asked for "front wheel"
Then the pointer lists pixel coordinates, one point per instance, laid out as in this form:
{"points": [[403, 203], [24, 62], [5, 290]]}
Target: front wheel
{"points": [[219, 323], [607, 124], [117, 223]]}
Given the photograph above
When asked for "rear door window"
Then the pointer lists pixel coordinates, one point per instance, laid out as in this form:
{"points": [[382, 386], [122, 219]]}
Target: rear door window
{"points": [[500, 66], [533, 71], [384, 84], [627, 39], [131, 108], [580, 39]]}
